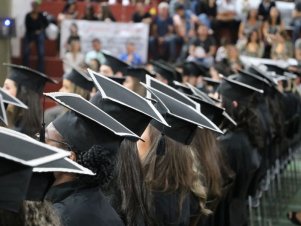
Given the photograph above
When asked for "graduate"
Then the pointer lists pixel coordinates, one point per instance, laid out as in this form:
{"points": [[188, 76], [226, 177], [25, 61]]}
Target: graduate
{"points": [[77, 81], [27, 85]]}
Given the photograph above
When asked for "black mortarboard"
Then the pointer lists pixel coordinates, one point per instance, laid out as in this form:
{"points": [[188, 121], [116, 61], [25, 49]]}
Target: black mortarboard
{"points": [[213, 112], [183, 119], [114, 63], [212, 82], [164, 71], [138, 72], [235, 90], [119, 80], [18, 155], [130, 109], [182, 88], [7, 98], [191, 68], [280, 71], [166, 89], [79, 78], [28, 77], [203, 95], [252, 79], [3, 116], [85, 125], [177, 74], [257, 71]]}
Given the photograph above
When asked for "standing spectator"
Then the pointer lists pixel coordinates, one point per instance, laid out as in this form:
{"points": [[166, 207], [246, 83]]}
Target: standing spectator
{"points": [[69, 12], [89, 13], [282, 47], [74, 57], [203, 47], [296, 21], [131, 57], [246, 27], [35, 23], [105, 13], [264, 9], [271, 27], [206, 10], [95, 53], [161, 42], [254, 47], [140, 15], [226, 20]]}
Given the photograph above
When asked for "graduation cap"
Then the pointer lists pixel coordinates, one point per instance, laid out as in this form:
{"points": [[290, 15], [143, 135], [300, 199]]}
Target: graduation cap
{"points": [[28, 77], [119, 80], [182, 88], [7, 98], [86, 125], [192, 68], [138, 72], [164, 71], [202, 95], [257, 71], [130, 109], [214, 113], [79, 78], [212, 82], [183, 119], [177, 74], [115, 64], [235, 90], [252, 79], [18, 155], [156, 84]]}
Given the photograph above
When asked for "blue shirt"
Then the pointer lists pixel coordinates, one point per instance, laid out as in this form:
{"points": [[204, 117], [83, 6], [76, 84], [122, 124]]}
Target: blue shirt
{"points": [[162, 25], [136, 61]]}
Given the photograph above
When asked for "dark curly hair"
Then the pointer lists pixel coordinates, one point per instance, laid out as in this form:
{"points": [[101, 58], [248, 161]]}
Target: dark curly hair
{"points": [[99, 160]]}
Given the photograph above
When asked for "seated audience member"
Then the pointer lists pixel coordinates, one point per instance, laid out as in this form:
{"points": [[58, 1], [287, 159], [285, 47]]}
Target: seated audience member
{"points": [[231, 64], [203, 47], [74, 56], [271, 27], [105, 13], [282, 47], [94, 65], [141, 15], [89, 13], [130, 56], [251, 23], [73, 35], [173, 4], [264, 9], [69, 12], [184, 23], [161, 42], [296, 21], [96, 52], [206, 10], [254, 47]]}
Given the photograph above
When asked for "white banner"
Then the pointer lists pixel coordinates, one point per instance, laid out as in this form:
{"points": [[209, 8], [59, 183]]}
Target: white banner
{"points": [[112, 35]]}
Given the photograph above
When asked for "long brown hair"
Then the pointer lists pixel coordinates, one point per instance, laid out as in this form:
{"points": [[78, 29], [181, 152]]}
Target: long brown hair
{"points": [[208, 155], [176, 170], [80, 91]]}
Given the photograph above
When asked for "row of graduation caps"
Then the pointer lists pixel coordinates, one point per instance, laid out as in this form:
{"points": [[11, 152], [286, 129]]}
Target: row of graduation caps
{"points": [[113, 114]]}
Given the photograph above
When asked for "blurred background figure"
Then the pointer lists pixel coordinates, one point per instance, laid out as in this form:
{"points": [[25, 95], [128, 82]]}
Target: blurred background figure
{"points": [[141, 15], [131, 56], [104, 13], [95, 53], [74, 56], [35, 24]]}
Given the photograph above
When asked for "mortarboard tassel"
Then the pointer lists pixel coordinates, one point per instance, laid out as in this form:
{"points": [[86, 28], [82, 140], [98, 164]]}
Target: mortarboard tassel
{"points": [[42, 132], [161, 145]]}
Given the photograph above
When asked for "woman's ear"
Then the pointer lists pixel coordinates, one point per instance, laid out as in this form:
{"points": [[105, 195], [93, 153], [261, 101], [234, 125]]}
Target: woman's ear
{"points": [[73, 156], [234, 103]]}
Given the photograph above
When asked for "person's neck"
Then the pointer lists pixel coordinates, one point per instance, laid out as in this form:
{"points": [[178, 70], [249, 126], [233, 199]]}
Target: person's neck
{"points": [[64, 178]]}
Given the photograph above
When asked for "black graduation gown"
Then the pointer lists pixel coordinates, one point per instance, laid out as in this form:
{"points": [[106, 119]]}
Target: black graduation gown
{"points": [[167, 209], [244, 161], [78, 205]]}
